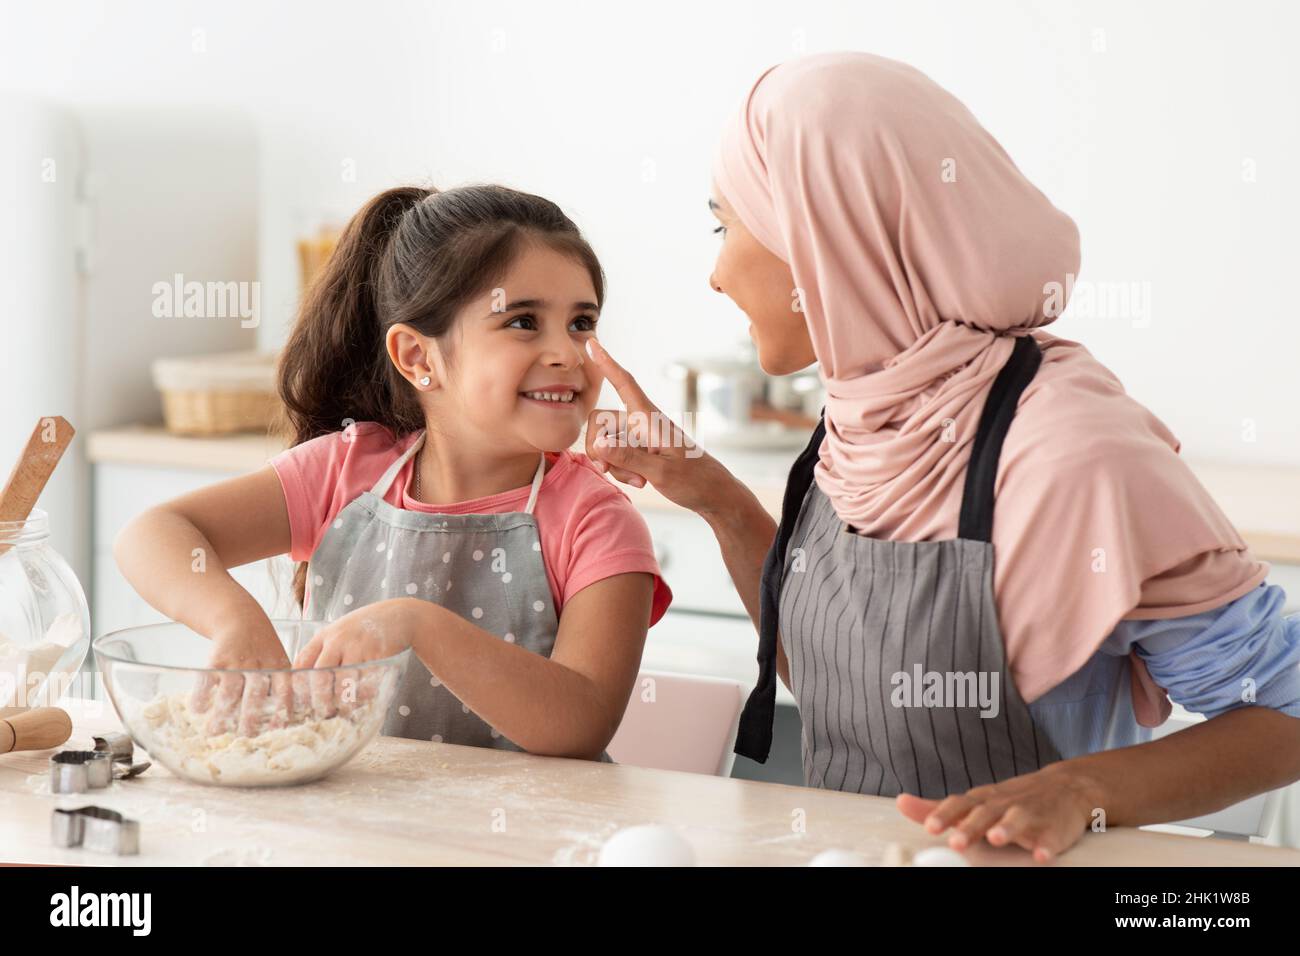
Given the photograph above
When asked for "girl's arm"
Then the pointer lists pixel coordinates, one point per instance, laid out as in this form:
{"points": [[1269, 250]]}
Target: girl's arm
{"points": [[177, 554], [569, 705]]}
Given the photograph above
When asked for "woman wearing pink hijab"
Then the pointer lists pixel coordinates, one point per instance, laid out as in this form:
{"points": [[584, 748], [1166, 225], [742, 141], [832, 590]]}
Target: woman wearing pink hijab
{"points": [[996, 669]]}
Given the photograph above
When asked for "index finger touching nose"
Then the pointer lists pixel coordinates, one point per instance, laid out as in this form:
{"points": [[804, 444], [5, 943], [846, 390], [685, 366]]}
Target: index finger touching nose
{"points": [[622, 380]]}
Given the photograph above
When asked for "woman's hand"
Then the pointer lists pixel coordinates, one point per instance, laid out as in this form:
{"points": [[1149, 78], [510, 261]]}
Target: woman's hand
{"points": [[639, 444], [1045, 812]]}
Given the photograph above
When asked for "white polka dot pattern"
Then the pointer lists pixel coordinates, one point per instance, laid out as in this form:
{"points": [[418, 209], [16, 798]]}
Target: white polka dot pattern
{"points": [[458, 561]]}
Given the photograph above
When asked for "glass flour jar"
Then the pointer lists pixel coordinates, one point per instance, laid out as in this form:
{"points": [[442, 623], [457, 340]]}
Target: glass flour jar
{"points": [[44, 618]]}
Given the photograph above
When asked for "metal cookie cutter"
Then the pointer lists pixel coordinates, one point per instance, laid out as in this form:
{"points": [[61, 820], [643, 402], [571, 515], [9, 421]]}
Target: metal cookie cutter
{"points": [[76, 771], [96, 828], [122, 749]]}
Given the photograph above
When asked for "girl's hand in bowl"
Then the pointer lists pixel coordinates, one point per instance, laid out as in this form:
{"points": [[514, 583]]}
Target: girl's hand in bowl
{"points": [[239, 703], [370, 633], [639, 444]]}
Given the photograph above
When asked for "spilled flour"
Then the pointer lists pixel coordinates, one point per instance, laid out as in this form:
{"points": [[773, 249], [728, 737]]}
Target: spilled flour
{"points": [[239, 856], [175, 735]]}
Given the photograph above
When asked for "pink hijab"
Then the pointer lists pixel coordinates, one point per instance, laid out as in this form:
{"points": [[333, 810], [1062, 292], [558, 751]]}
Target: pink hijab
{"points": [[920, 252]]}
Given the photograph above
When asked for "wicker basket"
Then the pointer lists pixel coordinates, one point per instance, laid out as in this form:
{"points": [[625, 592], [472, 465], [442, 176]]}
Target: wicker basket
{"points": [[218, 394]]}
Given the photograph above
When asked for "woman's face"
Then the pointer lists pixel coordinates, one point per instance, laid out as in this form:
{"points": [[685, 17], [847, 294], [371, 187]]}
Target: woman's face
{"points": [[762, 286], [509, 345]]}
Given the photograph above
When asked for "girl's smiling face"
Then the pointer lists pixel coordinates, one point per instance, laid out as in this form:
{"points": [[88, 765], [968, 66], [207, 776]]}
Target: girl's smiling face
{"points": [[517, 371]]}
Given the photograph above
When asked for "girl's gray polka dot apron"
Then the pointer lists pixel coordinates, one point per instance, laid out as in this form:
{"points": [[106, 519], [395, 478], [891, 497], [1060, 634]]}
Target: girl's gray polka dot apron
{"points": [[485, 567], [867, 623]]}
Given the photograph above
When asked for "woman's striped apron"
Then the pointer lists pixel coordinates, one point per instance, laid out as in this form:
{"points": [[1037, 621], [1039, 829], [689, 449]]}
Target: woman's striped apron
{"points": [[896, 657]]}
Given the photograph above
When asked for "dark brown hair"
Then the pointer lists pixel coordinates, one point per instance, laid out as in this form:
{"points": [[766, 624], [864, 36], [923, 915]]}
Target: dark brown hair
{"points": [[413, 255]]}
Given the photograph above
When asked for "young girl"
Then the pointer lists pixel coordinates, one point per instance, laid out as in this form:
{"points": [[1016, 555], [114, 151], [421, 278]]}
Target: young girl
{"points": [[434, 381]]}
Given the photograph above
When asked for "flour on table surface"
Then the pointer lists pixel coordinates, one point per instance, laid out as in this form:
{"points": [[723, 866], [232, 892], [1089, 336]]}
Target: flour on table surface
{"points": [[583, 846], [239, 856]]}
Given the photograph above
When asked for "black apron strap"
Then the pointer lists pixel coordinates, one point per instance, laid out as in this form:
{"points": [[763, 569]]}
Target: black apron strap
{"points": [[754, 735], [976, 522]]}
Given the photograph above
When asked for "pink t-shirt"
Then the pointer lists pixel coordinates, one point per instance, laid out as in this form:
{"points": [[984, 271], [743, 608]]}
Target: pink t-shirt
{"points": [[589, 528]]}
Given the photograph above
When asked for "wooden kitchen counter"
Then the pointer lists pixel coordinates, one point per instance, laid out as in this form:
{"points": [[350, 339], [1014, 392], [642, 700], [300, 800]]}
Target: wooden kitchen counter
{"points": [[403, 802]]}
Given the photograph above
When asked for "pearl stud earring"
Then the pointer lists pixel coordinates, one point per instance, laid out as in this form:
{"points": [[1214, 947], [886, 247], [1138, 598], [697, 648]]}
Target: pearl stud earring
{"points": [[425, 380]]}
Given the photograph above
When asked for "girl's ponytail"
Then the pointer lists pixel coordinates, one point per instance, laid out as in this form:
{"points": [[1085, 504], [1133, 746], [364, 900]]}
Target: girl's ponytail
{"points": [[332, 370]]}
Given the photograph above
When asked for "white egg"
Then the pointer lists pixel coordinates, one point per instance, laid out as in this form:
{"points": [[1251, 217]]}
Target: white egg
{"points": [[838, 858], [939, 856], [648, 845]]}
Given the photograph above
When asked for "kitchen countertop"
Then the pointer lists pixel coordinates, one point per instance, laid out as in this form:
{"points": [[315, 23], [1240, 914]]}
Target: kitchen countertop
{"points": [[404, 801], [1262, 501]]}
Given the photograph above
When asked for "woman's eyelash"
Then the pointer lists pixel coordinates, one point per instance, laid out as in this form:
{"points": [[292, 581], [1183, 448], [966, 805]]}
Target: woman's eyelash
{"points": [[721, 229]]}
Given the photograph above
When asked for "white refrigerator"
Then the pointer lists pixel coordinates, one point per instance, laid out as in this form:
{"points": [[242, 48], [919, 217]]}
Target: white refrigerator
{"points": [[99, 205]]}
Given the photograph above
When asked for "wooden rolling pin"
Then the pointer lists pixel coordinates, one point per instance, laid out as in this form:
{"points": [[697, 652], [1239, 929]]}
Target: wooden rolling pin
{"points": [[49, 440], [37, 729]]}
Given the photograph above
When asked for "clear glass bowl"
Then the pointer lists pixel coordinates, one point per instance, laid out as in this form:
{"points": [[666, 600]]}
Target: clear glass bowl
{"points": [[44, 619], [242, 728]]}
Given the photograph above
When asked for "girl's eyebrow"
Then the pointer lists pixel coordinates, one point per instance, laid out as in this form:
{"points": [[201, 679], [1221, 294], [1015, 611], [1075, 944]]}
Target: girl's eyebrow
{"points": [[713, 206], [544, 304]]}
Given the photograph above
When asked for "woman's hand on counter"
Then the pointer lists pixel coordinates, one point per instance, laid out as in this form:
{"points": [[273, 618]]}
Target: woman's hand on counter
{"points": [[1046, 812], [640, 444]]}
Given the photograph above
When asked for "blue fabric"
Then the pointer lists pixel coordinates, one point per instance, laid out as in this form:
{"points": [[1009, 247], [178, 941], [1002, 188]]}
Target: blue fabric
{"points": [[1201, 660]]}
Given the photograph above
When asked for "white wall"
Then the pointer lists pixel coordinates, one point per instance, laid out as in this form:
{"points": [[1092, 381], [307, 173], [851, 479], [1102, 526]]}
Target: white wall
{"points": [[1140, 131]]}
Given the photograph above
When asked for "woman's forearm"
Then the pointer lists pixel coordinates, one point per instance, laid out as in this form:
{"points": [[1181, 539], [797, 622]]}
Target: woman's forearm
{"points": [[745, 532], [550, 709], [1195, 771]]}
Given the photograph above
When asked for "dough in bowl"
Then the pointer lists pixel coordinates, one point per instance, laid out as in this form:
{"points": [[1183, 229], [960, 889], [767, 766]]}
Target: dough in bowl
{"points": [[175, 735]]}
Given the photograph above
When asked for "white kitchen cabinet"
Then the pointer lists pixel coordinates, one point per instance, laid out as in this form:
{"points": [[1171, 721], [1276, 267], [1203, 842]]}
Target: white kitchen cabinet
{"points": [[714, 645], [692, 563], [99, 204]]}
